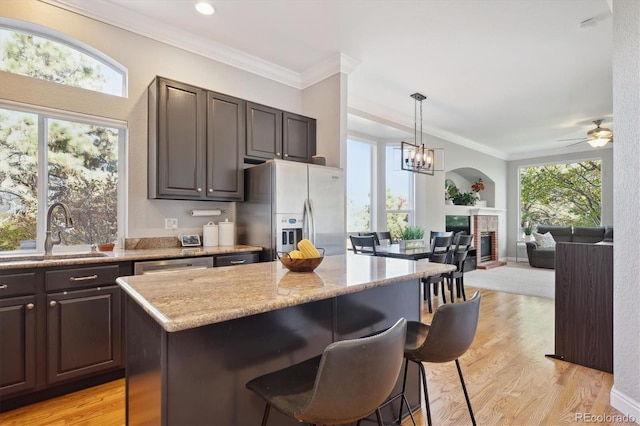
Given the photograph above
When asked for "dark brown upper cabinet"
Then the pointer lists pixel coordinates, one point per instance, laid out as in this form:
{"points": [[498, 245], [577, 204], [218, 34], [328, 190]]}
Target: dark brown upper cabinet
{"points": [[264, 132], [272, 133], [298, 137], [225, 139], [195, 143]]}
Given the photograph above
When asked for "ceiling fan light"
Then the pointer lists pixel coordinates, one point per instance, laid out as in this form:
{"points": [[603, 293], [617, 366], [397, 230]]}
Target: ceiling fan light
{"points": [[598, 142]]}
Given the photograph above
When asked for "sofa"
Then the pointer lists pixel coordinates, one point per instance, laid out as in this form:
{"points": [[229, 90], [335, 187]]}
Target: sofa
{"points": [[545, 257]]}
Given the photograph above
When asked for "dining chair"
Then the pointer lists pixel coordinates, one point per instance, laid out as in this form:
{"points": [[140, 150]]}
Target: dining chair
{"points": [[459, 257], [446, 339], [440, 253], [365, 244], [372, 234], [438, 247], [350, 380], [384, 235]]}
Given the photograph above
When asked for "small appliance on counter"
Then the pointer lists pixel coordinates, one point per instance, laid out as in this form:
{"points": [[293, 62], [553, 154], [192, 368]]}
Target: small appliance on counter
{"points": [[210, 235], [227, 233]]}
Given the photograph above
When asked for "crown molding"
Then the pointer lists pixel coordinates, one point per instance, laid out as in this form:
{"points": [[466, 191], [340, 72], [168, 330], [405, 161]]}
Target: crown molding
{"points": [[403, 122], [339, 62]]}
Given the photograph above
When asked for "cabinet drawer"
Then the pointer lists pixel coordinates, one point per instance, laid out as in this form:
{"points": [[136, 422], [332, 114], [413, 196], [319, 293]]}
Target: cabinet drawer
{"points": [[235, 259], [17, 284], [81, 277]]}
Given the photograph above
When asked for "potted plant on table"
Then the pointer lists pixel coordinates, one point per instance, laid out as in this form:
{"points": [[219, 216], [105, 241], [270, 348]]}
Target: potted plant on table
{"points": [[411, 237]]}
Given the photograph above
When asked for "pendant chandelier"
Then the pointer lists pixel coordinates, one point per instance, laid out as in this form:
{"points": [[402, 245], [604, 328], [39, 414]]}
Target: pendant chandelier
{"points": [[415, 157]]}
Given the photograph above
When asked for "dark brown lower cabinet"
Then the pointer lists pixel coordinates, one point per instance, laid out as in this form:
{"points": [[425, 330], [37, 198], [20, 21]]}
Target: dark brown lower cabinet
{"points": [[18, 347], [584, 305], [84, 332], [61, 330]]}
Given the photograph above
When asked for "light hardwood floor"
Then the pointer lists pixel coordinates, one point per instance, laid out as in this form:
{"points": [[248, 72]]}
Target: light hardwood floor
{"points": [[509, 379]]}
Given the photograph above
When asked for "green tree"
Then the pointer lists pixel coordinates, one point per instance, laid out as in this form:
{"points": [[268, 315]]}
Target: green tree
{"points": [[396, 222], [561, 194], [82, 168], [33, 56]]}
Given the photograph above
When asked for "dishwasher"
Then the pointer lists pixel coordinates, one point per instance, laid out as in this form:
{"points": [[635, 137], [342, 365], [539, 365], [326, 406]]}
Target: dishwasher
{"points": [[172, 265]]}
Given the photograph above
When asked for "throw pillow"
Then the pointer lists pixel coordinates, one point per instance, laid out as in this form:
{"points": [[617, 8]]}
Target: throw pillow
{"points": [[544, 240]]}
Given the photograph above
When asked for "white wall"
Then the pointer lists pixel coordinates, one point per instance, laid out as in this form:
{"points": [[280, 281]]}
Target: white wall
{"points": [[625, 395], [146, 58], [326, 102]]}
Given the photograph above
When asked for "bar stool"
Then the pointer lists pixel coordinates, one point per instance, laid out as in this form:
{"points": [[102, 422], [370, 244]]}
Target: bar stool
{"points": [[447, 338], [349, 381]]}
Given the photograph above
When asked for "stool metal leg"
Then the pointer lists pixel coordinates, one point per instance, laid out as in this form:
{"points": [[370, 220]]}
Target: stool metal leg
{"points": [[265, 416], [379, 417], [466, 395], [423, 373]]}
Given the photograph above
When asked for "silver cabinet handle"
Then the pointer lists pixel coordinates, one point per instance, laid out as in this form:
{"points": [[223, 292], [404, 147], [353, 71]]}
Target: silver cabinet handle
{"points": [[277, 153], [3, 286], [53, 303], [30, 306], [237, 262], [87, 278], [199, 189], [286, 155], [210, 189]]}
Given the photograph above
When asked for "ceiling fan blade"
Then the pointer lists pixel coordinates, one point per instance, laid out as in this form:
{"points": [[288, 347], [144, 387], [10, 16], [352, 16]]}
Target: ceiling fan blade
{"points": [[573, 139], [576, 143]]}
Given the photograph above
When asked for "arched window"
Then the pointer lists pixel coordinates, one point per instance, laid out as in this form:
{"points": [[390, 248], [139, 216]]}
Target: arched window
{"points": [[39, 52]]}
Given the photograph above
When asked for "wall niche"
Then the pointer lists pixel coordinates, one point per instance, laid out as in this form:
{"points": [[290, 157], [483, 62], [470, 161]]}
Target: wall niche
{"points": [[464, 178]]}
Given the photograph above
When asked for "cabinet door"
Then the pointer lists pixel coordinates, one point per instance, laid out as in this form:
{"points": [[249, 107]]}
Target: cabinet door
{"points": [[298, 137], [18, 347], [83, 332], [180, 141], [225, 139], [264, 132]]}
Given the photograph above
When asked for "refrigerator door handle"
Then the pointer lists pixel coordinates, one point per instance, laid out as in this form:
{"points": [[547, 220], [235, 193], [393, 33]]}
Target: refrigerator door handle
{"points": [[311, 227]]}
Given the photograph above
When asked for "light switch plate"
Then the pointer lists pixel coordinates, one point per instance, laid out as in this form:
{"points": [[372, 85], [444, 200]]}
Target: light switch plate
{"points": [[170, 223]]}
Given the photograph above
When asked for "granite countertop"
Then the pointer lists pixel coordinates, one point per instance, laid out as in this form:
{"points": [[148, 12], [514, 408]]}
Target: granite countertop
{"points": [[185, 300], [136, 253]]}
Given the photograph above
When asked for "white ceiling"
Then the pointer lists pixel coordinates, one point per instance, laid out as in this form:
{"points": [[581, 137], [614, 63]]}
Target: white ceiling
{"points": [[509, 77]]}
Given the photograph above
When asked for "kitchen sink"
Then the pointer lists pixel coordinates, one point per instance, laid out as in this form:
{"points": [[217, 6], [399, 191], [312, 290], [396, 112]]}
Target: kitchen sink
{"points": [[41, 257]]}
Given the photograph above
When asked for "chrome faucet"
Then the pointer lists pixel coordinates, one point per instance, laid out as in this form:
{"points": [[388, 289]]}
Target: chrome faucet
{"points": [[49, 241]]}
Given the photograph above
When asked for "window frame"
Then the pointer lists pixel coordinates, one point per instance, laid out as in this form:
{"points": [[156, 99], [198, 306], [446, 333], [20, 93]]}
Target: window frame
{"points": [[44, 114], [410, 190], [372, 180], [72, 43], [519, 228]]}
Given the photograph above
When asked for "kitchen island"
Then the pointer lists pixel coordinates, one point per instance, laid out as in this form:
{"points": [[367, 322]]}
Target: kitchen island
{"points": [[194, 339]]}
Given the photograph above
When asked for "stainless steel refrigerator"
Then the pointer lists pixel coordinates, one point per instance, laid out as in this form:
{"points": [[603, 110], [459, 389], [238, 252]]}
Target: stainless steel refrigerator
{"points": [[286, 201]]}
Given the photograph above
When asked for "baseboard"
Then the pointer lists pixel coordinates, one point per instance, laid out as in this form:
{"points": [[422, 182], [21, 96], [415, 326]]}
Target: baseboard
{"points": [[625, 405]]}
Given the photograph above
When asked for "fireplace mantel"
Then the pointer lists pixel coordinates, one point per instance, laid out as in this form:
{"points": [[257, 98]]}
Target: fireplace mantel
{"points": [[486, 211]]}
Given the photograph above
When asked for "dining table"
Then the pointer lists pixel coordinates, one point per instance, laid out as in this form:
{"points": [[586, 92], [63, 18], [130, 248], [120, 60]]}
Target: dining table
{"points": [[394, 250]]}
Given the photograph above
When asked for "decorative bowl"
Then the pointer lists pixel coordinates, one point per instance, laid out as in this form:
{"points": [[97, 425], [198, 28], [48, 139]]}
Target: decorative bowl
{"points": [[106, 247], [300, 265]]}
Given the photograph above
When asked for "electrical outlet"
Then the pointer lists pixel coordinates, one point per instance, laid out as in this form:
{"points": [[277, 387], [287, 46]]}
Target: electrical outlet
{"points": [[170, 223]]}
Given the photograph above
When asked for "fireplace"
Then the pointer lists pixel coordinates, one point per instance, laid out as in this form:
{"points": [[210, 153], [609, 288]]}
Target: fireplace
{"points": [[485, 241], [485, 246]]}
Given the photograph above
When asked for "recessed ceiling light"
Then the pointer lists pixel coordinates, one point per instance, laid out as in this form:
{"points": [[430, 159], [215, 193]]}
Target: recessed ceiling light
{"points": [[205, 8]]}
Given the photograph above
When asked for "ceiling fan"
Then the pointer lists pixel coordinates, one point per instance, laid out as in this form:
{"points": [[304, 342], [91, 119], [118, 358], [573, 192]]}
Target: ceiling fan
{"points": [[597, 137]]}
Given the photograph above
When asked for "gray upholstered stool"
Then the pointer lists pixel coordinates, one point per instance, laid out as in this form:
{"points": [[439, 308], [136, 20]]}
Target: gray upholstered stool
{"points": [[349, 381], [446, 339]]}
